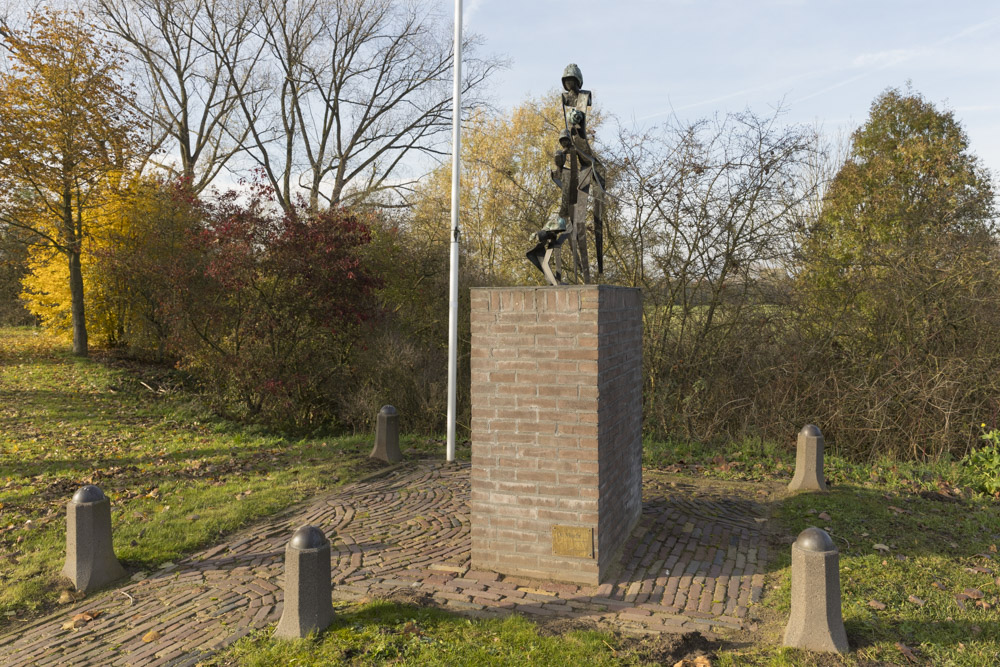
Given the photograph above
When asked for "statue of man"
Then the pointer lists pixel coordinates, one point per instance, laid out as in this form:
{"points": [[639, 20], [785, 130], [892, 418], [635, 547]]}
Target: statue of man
{"points": [[577, 171]]}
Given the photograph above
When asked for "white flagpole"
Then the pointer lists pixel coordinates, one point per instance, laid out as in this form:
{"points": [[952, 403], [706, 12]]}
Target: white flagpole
{"points": [[456, 153]]}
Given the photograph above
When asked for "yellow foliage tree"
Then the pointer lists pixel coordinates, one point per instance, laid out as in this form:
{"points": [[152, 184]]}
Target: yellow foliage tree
{"points": [[66, 125], [506, 190], [47, 285]]}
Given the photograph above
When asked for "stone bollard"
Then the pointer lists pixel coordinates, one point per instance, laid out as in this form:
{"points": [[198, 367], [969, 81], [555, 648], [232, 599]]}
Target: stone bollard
{"points": [[809, 461], [307, 604], [387, 436], [90, 555], [815, 622]]}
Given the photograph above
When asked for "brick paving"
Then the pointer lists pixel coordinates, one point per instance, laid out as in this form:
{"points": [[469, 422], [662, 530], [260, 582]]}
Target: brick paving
{"points": [[692, 563]]}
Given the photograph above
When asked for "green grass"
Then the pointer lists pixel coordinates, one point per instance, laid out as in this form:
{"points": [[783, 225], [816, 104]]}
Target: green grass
{"points": [[937, 530], [382, 632], [178, 478]]}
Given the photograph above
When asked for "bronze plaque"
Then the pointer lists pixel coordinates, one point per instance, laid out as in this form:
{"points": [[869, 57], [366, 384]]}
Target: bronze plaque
{"points": [[575, 541]]}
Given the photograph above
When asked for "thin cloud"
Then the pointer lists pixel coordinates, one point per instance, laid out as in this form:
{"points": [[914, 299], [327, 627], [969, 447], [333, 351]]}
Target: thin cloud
{"points": [[883, 60]]}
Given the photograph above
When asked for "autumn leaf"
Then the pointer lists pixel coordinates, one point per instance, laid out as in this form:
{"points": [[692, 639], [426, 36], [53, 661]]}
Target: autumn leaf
{"points": [[917, 601], [875, 604], [151, 636], [881, 547], [905, 650], [80, 620], [825, 516]]}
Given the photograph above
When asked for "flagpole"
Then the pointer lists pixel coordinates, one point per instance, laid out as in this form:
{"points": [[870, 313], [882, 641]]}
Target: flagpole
{"points": [[456, 153]]}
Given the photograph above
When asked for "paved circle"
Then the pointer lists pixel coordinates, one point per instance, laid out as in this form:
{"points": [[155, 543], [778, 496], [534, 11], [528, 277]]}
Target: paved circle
{"points": [[692, 563]]}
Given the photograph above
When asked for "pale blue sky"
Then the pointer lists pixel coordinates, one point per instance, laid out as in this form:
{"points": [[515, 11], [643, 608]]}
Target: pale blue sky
{"points": [[823, 60]]}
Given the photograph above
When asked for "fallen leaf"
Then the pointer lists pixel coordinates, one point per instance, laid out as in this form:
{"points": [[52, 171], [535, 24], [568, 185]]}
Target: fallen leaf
{"points": [[151, 636], [875, 604], [881, 547], [905, 650], [960, 600], [898, 510], [978, 570], [80, 620], [938, 585], [193, 517], [825, 516], [973, 593], [917, 601], [700, 661]]}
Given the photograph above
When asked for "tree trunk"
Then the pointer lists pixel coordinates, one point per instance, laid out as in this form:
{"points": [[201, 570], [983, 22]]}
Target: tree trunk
{"points": [[74, 243], [76, 296]]}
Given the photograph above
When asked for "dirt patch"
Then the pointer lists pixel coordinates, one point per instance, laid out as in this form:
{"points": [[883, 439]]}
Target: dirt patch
{"points": [[408, 596], [667, 649], [664, 648]]}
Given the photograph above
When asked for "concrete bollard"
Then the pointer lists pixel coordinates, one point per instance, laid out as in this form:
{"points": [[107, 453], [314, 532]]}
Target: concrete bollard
{"points": [[90, 556], [387, 436], [809, 461], [815, 622], [308, 589]]}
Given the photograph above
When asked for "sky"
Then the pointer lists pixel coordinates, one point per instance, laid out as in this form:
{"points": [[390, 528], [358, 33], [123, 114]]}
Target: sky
{"points": [[822, 61]]}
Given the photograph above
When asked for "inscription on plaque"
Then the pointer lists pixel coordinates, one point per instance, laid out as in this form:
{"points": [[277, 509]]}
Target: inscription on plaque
{"points": [[576, 541]]}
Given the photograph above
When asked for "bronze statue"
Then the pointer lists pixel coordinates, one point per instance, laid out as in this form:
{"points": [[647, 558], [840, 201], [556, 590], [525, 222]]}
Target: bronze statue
{"points": [[577, 172]]}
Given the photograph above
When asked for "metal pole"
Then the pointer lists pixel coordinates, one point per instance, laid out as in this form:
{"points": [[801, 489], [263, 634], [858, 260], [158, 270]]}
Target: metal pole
{"points": [[456, 159]]}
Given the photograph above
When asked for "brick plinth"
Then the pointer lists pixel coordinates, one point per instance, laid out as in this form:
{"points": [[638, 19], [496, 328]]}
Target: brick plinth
{"points": [[556, 428]]}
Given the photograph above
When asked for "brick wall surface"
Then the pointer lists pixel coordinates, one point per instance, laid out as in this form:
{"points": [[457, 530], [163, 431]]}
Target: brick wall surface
{"points": [[556, 425]]}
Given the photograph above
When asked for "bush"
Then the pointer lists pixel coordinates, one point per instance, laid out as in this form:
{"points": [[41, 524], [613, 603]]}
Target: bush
{"points": [[983, 464], [271, 311]]}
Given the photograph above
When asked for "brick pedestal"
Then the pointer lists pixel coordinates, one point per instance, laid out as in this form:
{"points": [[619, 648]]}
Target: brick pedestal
{"points": [[556, 429]]}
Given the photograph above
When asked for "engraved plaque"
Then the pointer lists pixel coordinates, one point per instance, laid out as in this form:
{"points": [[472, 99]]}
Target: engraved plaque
{"points": [[576, 541]]}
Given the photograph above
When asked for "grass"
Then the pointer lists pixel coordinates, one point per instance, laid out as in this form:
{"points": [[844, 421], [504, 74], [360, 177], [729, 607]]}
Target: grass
{"points": [[180, 479], [381, 632], [936, 529], [177, 477]]}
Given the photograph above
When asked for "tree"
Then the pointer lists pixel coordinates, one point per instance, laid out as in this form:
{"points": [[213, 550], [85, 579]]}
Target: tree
{"points": [[352, 87], [697, 214], [191, 96], [905, 210], [67, 131], [898, 280], [13, 268], [507, 192]]}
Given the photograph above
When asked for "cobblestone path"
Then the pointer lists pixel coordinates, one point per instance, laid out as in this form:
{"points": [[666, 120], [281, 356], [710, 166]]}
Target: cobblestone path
{"points": [[692, 563]]}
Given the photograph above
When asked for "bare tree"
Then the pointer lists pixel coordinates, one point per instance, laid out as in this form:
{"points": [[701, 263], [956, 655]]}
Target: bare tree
{"points": [[356, 86], [699, 213], [195, 67]]}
